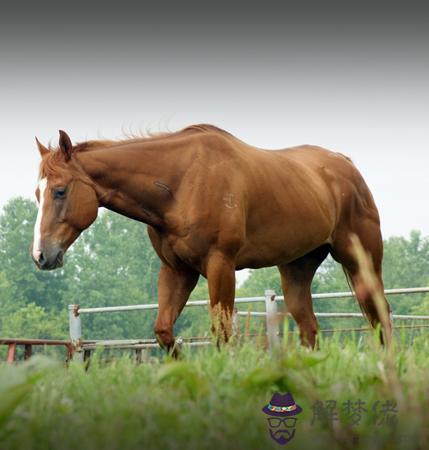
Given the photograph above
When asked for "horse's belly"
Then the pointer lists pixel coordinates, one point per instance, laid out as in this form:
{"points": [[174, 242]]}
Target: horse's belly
{"points": [[255, 257], [284, 241]]}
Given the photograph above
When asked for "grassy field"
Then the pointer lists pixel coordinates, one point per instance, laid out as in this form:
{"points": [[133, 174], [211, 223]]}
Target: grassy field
{"points": [[213, 399]]}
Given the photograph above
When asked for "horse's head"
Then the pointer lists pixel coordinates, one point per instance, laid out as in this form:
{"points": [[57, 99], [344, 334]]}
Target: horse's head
{"points": [[67, 204]]}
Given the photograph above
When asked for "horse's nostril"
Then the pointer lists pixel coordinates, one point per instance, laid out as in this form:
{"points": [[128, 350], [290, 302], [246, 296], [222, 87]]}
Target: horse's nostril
{"points": [[41, 259]]}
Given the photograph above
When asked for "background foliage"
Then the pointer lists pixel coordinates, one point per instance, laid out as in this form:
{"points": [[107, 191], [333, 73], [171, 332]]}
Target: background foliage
{"points": [[113, 263]]}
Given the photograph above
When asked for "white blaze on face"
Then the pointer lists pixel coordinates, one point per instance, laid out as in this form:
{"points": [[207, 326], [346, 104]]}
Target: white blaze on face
{"points": [[37, 233]]}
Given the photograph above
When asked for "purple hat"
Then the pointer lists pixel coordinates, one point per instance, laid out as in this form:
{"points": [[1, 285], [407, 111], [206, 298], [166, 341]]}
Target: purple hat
{"points": [[282, 406]]}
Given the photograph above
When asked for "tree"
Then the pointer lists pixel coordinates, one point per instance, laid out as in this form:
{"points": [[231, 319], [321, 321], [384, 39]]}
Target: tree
{"points": [[406, 265]]}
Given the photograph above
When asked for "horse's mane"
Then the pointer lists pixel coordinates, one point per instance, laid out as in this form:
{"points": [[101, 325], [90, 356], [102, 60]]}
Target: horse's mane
{"points": [[53, 162]]}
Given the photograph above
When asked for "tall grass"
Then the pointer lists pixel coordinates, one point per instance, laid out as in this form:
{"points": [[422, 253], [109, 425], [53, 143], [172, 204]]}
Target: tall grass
{"points": [[213, 399]]}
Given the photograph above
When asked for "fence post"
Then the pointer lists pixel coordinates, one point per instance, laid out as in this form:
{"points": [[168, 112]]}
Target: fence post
{"points": [[272, 320], [75, 333], [11, 352], [28, 349]]}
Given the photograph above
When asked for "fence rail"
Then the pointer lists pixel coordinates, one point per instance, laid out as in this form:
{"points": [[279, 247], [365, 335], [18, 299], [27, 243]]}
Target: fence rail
{"points": [[82, 348], [28, 344], [241, 300], [78, 348]]}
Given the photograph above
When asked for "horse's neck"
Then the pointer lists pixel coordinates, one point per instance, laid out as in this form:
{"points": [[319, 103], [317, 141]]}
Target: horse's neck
{"points": [[134, 182]]}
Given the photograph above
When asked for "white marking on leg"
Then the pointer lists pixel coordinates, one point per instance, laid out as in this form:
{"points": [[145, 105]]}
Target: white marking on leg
{"points": [[37, 228]]}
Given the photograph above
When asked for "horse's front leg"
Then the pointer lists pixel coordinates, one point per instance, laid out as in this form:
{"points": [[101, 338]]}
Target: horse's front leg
{"points": [[221, 281], [174, 287]]}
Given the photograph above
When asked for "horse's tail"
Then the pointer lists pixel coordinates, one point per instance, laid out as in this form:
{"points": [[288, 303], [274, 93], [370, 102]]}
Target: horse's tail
{"points": [[349, 280], [363, 305]]}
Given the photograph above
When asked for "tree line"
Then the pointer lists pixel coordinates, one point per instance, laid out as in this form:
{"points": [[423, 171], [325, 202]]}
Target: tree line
{"points": [[113, 263]]}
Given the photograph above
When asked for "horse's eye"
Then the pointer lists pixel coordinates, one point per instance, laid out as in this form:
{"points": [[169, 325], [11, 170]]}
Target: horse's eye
{"points": [[59, 193]]}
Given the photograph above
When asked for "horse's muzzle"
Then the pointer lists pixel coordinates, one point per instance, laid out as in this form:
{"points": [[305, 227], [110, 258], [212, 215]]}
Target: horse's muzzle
{"points": [[49, 262]]}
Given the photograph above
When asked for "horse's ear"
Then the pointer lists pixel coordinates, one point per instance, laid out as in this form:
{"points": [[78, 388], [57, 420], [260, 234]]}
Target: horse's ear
{"points": [[66, 146], [42, 149]]}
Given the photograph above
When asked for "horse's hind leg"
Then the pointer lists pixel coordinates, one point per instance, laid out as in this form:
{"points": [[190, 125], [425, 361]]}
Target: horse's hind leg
{"points": [[174, 287], [370, 237], [296, 284]]}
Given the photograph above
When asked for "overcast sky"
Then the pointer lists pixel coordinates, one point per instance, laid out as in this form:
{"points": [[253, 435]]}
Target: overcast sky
{"points": [[350, 79]]}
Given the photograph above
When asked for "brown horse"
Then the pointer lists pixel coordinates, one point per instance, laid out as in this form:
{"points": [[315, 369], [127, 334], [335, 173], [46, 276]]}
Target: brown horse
{"points": [[213, 205]]}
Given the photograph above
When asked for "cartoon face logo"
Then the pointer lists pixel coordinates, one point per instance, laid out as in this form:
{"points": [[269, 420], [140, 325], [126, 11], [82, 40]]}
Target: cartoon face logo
{"points": [[282, 425]]}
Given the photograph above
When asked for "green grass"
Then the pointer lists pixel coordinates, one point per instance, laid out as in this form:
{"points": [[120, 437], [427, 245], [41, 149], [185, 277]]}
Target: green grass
{"points": [[213, 399]]}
